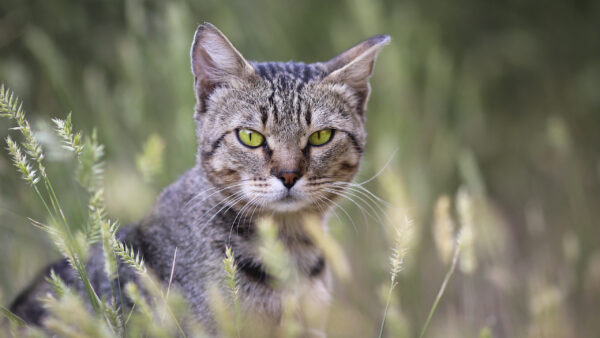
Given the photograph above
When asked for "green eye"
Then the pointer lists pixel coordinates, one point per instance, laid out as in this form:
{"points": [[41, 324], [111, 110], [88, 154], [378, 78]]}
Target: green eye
{"points": [[250, 138], [320, 137]]}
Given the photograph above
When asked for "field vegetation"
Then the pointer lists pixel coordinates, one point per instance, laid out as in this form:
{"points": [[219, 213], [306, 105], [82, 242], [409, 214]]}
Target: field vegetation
{"points": [[474, 211]]}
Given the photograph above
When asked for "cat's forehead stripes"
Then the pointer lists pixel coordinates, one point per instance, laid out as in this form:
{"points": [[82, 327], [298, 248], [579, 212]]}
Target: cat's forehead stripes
{"points": [[295, 74], [287, 106]]}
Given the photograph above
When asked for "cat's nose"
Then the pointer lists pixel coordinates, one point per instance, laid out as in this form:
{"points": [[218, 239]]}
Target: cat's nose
{"points": [[288, 178]]}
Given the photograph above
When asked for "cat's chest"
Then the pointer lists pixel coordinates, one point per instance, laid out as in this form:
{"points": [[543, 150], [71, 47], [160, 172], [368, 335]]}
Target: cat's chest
{"points": [[302, 301], [289, 274]]}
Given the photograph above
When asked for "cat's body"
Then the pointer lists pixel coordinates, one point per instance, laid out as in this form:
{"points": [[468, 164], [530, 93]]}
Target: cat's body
{"points": [[276, 139]]}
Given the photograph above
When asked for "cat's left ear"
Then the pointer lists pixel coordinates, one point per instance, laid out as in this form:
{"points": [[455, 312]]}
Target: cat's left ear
{"points": [[354, 67]]}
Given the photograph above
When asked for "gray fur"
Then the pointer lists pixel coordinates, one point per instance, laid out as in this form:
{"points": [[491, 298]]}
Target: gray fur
{"points": [[216, 203]]}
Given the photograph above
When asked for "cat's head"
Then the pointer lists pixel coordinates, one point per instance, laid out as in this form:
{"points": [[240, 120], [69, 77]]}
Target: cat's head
{"points": [[284, 136]]}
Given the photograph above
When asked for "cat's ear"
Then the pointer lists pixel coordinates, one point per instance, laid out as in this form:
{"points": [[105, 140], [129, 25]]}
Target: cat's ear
{"points": [[214, 62], [354, 67]]}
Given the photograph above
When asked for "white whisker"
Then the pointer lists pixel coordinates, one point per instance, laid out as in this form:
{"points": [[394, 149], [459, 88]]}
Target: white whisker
{"points": [[218, 190], [339, 193], [357, 193], [237, 215], [358, 186], [382, 169], [323, 209], [233, 199], [343, 210]]}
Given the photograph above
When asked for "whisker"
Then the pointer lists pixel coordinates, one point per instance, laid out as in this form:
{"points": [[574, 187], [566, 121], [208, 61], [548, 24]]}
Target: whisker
{"points": [[262, 207], [244, 209], [259, 205], [371, 197], [238, 183], [231, 199], [236, 217], [358, 186], [382, 169], [381, 204], [225, 200], [324, 209], [218, 190], [343, 210], [376, 209], [362, 209], [357, 192]]}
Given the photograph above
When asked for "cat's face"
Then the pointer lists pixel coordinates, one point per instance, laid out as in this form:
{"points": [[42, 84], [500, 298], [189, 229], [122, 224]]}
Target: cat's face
{"points": [[281, 136]]}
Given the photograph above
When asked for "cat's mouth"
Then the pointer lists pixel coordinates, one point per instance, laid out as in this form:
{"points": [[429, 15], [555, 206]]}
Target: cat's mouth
{"points": [[288, 202], [288, 198]]}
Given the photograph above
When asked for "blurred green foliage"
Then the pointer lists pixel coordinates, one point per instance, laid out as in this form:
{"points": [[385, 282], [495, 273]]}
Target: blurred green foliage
{"points": [[502, 98]]}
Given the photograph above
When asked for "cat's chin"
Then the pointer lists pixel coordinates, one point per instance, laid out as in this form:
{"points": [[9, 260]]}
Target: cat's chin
{"points": [[288, 204]]}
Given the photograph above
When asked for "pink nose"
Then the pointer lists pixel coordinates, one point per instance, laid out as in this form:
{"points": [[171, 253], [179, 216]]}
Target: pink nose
{"points": [[288, 178]]}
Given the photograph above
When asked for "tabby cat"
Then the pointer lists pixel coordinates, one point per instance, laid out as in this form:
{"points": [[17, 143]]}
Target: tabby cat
{"points": [[274, 139]]}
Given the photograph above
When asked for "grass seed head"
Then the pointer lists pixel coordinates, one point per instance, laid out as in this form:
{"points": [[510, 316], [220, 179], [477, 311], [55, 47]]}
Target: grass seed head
{"points": [[443, 229]]}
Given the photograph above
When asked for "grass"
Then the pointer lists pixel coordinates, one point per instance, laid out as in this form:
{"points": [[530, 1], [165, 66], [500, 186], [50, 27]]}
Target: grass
{"points": [[28, 158]]}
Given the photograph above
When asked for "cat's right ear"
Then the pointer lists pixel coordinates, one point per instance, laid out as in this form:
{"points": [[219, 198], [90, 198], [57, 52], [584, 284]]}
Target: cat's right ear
{"points": [[214, 62]]}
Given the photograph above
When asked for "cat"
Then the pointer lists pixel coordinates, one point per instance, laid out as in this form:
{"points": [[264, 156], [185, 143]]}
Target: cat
{"points": [[277, 138]]}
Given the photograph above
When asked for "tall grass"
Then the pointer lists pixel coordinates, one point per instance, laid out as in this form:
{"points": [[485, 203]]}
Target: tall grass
{"points": [[109, 316]]}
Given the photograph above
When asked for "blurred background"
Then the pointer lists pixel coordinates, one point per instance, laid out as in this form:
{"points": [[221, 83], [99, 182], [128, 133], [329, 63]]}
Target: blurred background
{"points": [[488, 113]]}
